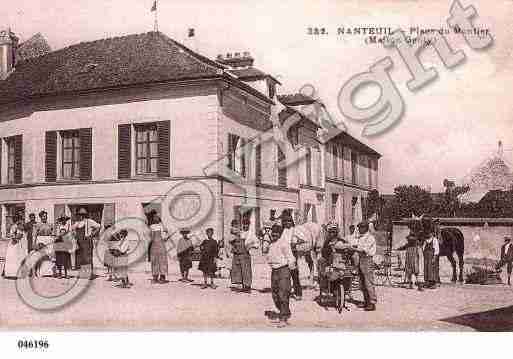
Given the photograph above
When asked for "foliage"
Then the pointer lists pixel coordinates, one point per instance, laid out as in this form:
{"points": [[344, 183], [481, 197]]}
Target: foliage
{"points": [[410, 200]]}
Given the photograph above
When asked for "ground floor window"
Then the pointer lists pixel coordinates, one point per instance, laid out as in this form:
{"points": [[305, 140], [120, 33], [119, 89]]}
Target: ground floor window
{"points": [[12, 210]]}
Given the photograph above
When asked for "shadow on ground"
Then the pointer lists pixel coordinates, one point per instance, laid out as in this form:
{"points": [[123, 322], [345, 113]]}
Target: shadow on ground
{"points": [[496, 320]]}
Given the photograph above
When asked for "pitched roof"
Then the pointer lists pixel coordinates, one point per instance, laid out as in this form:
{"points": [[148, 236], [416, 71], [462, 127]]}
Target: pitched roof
{"points": [[113, 62]]}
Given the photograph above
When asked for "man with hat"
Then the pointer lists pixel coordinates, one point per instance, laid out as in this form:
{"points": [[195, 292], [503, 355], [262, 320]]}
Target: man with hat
{"points": [[287, 222], [506, 257], [84, 230], [366, 247], [282, 261], [241, 272]]}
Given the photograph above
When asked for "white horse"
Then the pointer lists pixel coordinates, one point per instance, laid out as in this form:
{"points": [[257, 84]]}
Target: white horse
{"points": [[309, 239]]}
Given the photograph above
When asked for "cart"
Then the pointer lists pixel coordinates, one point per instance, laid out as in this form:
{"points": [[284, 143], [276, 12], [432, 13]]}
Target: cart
{"points": [[340, 272]]}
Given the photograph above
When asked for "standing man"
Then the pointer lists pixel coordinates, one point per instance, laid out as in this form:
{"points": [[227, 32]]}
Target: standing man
{"points": [[288, 233], [366, 246], [282, 261], [241, 272], [84, 230], [506, 257], [30, 229]]}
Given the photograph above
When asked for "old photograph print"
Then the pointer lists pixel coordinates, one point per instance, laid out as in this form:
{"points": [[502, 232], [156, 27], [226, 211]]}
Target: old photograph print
{"points": [[270, 166]]}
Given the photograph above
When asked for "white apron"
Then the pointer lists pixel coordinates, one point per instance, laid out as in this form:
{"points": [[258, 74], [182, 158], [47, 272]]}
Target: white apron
{"points": [[14, 256]]}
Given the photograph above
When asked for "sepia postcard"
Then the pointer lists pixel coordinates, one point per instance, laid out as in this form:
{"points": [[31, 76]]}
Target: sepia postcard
{"points": [[273, 166]]}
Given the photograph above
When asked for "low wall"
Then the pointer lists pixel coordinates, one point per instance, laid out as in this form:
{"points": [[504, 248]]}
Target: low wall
{"points": [[483, 238]]}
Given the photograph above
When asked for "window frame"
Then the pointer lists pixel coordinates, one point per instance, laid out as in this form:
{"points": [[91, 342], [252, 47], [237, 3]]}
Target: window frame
{"points": [[10, 145], [147, 142], [354, 167], [74, 136]]}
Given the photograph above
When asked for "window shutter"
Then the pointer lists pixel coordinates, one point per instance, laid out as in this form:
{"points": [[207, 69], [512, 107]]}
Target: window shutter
{"points": [[257, 220], [51, 156], [237, 214], [258, 164], [163, 131], [314, 214], [282, 171], [109, 214], [18, 159], [1, 145], [309, 166], [1, 217], [124, 151], [86, 153], [231, 150], [335, 160], [243, 156]]}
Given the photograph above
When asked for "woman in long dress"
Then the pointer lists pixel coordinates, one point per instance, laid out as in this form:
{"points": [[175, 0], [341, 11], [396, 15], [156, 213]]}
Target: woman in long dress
{"points": [[411, 262], [17, 249], [157, 250]]}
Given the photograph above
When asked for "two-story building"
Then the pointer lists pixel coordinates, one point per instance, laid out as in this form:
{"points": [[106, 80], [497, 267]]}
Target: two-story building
{"points": [[115, 124]]}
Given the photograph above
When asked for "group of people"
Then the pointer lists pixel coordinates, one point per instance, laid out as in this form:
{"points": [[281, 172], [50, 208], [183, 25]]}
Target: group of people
{"points": [[430, 247], [26, 238], [74, 243]]}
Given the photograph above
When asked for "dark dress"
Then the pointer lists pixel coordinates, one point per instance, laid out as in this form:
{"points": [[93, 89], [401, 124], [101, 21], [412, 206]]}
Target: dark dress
{"points": [[85, 247], [241, 272], [429, 268], [62, 257], [209, 252], [411, 261], [185, 256]]}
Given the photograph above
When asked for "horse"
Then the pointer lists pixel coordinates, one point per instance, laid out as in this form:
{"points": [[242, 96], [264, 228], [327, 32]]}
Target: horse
{"points": [[309, 237], [451, 241]]}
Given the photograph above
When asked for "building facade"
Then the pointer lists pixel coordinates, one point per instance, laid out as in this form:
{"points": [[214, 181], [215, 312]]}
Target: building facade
{"points": [[117, 125]]}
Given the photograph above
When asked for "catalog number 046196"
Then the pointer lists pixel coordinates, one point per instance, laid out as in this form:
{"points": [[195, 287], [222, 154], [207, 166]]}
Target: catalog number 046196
{"points": [[33, 344]]}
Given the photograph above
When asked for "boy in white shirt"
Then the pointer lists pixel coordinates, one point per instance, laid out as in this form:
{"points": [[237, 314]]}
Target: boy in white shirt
{"points": [[282, 261]]}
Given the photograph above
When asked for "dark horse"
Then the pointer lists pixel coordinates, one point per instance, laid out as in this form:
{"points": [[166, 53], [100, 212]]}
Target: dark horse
{"points": [[451, 241]]}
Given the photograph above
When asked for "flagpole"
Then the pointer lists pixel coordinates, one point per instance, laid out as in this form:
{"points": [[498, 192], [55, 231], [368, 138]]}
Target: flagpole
{"points": [[156, 24]]}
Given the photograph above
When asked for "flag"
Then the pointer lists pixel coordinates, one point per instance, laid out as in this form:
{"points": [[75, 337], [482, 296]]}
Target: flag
{"points": [[154, 7], [191, 33]]}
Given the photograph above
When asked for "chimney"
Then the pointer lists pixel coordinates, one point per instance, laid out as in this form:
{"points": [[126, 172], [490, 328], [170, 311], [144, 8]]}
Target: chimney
{"points": [[8, 46], [236, 60], [500, 150]]}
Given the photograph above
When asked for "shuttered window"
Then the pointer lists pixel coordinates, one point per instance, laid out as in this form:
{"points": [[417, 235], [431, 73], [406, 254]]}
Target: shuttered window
{"points": [[236, 154], [51, 156], [9, 147], [309, 166], [14, 151], [258, 164], [335, 160], [124, 151], [70, 154], [146, 149], [282, 171], [354, 167]]}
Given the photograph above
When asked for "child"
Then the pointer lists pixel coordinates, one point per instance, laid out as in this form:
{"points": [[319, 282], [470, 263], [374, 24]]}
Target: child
{"points": [[412, 260], [209, 253], [184, 252], [62, 254], [119, 250]]}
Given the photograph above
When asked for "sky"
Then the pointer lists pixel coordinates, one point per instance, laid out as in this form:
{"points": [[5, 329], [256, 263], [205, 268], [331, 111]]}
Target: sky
{"points": [[449, 126]]}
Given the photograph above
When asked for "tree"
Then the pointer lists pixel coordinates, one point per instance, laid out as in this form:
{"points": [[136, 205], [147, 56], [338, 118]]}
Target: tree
{"points": [[374, 203], [451, 203], [410, 200]]}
